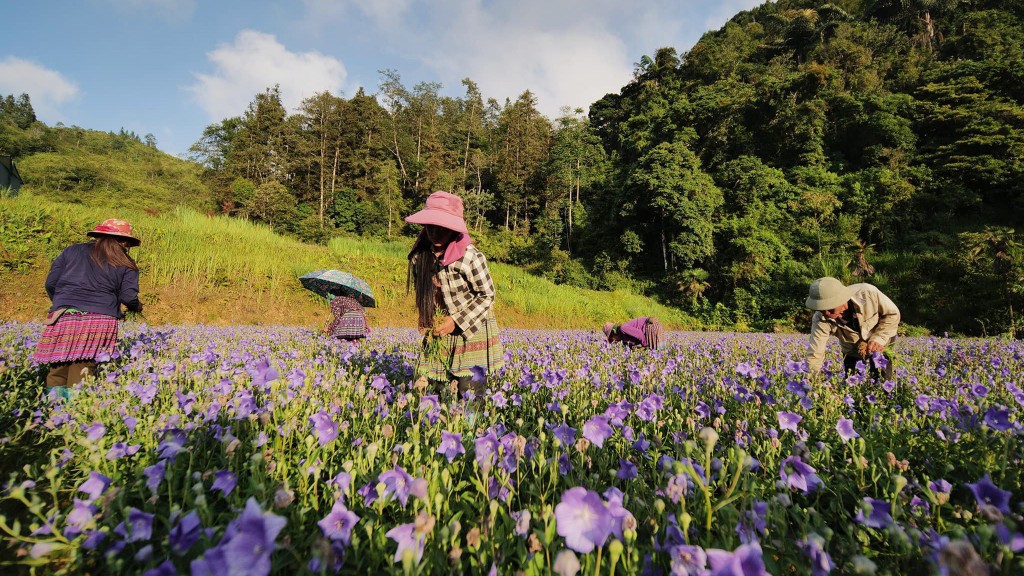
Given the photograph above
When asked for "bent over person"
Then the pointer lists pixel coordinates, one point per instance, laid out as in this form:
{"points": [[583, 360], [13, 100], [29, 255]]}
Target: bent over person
{"points": [[349, 319], [644, 331], [860, 316]]}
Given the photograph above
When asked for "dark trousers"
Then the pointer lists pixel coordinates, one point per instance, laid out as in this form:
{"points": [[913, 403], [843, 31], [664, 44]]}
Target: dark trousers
{"points": [[69, 374], [850, 364], [464, 383]]}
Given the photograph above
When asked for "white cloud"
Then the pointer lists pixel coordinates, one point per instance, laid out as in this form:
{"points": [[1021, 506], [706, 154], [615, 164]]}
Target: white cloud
{"points": [[568, 67], [320, 15], [726, 9], [47, 89], [257, 61], [565, 52]]}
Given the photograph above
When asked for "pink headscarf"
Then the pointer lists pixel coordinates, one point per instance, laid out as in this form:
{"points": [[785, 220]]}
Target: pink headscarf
{"points": [[455, 250]]}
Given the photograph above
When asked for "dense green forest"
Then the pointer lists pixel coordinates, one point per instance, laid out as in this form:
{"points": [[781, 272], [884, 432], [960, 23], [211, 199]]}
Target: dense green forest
{"points": [[878, 141]]}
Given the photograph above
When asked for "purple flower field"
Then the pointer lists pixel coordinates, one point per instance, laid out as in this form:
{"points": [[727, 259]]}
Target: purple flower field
{"points": [[201, 450]]}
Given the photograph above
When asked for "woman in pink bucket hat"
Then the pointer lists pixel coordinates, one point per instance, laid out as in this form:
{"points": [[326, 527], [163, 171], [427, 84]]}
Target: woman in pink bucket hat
{"points": [[87, 284], [455, 300]]}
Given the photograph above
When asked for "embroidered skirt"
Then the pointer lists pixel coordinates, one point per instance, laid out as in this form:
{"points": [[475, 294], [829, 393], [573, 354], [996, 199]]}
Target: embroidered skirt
{"points": [[483, 349], [75, 337], [351, 325]]}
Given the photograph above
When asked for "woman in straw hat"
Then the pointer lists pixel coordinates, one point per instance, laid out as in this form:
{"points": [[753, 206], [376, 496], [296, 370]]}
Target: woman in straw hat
{"points": [[863, 319], [87, 284], [644, 331], [455, 299]]}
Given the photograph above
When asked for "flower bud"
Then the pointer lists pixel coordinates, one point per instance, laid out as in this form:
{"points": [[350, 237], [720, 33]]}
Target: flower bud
{"points": [[424, 523], [900, 482], [614, 550], [710, 438], [863, 565]]}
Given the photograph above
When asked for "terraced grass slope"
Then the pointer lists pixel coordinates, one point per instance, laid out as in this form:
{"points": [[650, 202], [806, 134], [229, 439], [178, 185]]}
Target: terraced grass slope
{"points": [[213, 269]]}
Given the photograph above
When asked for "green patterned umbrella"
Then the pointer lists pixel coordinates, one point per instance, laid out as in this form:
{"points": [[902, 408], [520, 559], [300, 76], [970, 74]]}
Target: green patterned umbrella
{"points": [[338, 283]]}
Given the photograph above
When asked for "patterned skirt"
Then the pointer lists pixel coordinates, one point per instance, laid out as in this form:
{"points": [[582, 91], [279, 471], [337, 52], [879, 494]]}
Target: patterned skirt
{"points": [[75, 337], [351, 325], [483, 349]]}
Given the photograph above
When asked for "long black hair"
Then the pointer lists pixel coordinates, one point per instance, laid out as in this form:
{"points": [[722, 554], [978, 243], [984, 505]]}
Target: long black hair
{"points": [[652, 333], [107, 251], [420, 275]]}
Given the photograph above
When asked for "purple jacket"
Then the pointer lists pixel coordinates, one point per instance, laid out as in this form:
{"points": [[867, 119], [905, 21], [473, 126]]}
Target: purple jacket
{"points": [[76, 281], [635, 329]]}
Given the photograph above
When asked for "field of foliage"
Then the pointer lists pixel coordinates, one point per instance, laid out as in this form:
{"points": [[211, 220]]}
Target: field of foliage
{"points": [[202, 450]]}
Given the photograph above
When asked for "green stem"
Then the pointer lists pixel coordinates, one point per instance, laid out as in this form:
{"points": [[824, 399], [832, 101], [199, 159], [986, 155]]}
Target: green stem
{"points": [[1006, 458], [707, 503]]}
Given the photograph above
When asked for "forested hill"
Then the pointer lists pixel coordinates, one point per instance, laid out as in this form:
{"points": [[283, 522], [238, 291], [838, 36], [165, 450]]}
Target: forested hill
{"points": [[808, 138], [98, 169], [872, 141]]}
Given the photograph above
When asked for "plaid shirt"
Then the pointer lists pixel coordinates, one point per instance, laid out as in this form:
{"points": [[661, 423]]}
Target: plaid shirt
{"points": [[468, 290]]}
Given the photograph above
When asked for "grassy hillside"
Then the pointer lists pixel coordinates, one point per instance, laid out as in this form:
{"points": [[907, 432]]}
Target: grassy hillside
{"points": [[99, 169], [198, 268]]}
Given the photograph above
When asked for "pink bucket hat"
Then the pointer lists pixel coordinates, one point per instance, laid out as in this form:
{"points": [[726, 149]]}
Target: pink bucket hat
{"points": [[607, 329], [443, 209], [117, 228]]}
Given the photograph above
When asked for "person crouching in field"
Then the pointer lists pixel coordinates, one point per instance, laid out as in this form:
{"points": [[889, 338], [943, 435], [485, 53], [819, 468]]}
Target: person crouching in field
{"points": [[454, 298], [644, 331], [87, 285], [860, 316], [349, 321]]}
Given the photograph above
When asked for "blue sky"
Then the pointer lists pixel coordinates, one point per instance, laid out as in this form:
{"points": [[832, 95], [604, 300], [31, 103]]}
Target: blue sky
{"points": [[172, 67]]}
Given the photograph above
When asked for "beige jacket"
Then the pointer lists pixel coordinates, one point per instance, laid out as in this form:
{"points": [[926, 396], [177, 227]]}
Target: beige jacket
{"points": [[878, 316]]}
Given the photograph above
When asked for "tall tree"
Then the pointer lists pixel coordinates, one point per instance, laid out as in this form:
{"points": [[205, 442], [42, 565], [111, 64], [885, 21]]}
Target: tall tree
{"points": [[525, 136], [577, 161], [321, 116], [683, 198], [395, 100], [260, 150]]}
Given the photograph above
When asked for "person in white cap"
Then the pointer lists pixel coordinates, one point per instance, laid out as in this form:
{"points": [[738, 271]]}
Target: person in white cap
{"points": [[860, 316]]}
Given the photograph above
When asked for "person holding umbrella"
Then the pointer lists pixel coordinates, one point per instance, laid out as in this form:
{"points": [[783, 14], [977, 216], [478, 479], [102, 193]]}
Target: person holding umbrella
{"points": [[347, 294], [87, 285], [454, 298], [349, 321]]}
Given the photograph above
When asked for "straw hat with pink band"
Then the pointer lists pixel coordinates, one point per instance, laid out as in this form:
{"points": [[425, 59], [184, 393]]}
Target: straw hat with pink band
{"points": [[443, 209], [115, 228]]}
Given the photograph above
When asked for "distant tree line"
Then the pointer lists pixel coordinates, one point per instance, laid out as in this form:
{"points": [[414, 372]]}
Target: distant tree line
{"points": [[21, 133], [872, 140], [880, 141]]}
